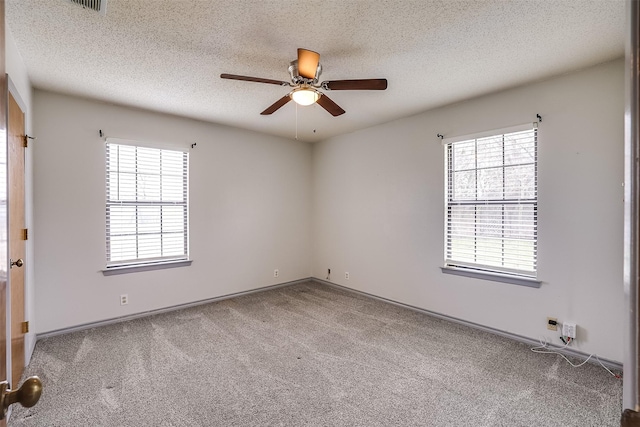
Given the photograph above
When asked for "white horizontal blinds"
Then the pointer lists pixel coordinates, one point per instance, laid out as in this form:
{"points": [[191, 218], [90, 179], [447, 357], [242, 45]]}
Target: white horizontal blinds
{"points": [[492, 203], [147, 204]]}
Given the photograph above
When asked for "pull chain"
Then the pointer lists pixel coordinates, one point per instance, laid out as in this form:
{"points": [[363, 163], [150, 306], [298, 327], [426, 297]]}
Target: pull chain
{"points": [[296, 121]]}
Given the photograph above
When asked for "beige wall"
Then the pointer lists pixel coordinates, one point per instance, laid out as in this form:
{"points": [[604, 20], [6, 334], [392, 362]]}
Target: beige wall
{"points": [[249, 212], [378, 206], [370, 203]]}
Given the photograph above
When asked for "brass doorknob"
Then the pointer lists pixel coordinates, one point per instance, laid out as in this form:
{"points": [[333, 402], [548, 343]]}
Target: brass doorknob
{"points": [[27, 395], [18, 263]]}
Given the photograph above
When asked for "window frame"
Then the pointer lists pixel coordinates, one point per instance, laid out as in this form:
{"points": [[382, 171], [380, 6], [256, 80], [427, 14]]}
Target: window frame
{"points": [[146, 263], [480, 270]]}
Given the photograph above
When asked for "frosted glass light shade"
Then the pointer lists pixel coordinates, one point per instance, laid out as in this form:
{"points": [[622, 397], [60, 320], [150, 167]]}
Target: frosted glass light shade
{"points": [[305, 96]]}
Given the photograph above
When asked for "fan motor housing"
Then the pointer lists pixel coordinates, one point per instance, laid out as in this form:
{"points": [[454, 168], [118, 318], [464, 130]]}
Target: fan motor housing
{"points": [[297, 79]]}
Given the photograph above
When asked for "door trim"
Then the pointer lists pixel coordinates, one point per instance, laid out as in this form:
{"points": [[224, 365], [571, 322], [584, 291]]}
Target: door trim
{"points": [[631, 213]]}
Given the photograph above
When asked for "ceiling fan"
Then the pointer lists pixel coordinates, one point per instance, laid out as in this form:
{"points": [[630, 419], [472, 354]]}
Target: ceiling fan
{"points": [[305, 72]]}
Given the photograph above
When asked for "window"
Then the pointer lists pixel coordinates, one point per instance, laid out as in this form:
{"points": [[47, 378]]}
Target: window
{"points": [[147, 205], [492, 203]]}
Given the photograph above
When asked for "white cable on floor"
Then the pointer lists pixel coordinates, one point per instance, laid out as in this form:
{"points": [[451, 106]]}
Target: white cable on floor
{"points": [[544, 348]]}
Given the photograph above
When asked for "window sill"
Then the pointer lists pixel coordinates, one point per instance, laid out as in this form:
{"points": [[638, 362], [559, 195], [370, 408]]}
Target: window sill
{"points": [[495, 277], [111, 271]]}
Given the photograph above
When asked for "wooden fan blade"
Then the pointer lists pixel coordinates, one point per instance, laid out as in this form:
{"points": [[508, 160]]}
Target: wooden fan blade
{"points": [[333, 108], [308, 63], [276, 105], [364, 84], [253, 79]]}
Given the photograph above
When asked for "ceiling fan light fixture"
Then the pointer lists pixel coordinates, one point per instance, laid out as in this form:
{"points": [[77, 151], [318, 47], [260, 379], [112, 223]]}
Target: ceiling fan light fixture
{"points": [[305, 96], [305, 72]]}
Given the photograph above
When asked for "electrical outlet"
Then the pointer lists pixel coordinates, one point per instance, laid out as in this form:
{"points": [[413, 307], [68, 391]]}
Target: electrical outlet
{"points": [[552, 323], [346, 275], [569, 330], [276, 273], [124, 299]]}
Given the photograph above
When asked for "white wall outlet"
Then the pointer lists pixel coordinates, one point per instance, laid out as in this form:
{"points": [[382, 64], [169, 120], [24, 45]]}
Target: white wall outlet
{"points": [[346, 275], [124, 299], [276, 273], [569, 330]]}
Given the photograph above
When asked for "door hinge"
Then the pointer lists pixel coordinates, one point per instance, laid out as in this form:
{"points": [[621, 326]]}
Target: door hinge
{"points": [[25, 140], [25, 234], [25, 327]]}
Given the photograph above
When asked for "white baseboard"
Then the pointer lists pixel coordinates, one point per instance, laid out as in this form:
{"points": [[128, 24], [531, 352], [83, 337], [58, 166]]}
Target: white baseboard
{"points": [[611, 364], [29, 346], [121, 319]]}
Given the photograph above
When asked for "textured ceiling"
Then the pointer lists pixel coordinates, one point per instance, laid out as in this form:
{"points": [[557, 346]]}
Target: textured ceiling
{"points": [[167, 55]]}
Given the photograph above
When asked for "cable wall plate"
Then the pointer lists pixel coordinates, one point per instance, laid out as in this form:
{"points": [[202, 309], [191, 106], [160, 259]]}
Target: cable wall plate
{"points": [[569, 330]]}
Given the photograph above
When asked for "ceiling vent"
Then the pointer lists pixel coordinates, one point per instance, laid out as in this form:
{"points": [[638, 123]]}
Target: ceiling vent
{"points": [[99, 6]]}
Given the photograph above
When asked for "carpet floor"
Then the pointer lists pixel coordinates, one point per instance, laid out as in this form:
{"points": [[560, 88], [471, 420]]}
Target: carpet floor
{"points": [[308, 355]]}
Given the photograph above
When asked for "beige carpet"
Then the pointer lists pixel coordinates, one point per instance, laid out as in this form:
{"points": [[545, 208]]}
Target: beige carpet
{"points": [[308, 355]]}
